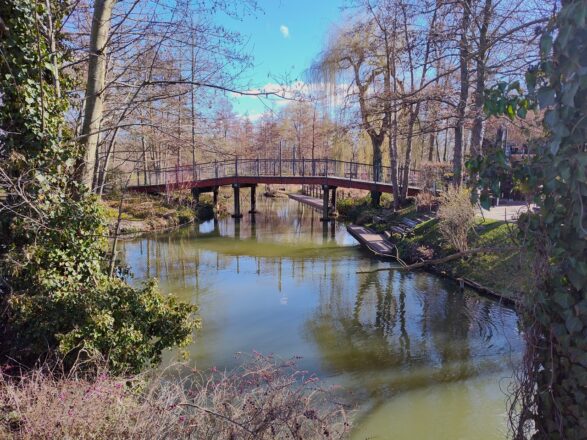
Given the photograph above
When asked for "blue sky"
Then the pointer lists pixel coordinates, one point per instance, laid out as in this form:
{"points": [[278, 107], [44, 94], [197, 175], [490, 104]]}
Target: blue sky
{"points": [[284, 37]]}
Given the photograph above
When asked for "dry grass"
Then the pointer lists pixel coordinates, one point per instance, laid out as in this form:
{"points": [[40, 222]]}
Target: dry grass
{"points": [[456, 217], [262, 399]]}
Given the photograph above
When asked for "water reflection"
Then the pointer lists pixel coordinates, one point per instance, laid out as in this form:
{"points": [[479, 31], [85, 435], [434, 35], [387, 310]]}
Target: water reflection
{"points": [[282, 283]]}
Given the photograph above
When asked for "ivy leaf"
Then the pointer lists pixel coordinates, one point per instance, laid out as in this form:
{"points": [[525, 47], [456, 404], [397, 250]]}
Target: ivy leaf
{"points": [[511, 113], [546, 97], [485, 201], [574, 324], [545, 44]]}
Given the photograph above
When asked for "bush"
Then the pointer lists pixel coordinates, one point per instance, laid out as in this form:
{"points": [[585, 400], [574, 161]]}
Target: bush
{"points": [[352, 208], [63, 301], [434, 173], [456, 217], [425, 200], [263, 398]]}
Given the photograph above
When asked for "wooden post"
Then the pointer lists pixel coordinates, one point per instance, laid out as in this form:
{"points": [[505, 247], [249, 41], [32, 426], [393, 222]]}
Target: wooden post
{"points": [[196, 195], [237, 201], [215, 195], [333, 198], [279, 158], [324, 204], [253, 200]]}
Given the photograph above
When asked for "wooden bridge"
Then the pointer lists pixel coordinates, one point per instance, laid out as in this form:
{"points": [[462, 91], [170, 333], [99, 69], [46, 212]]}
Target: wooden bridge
{"points": [[242, 173]]}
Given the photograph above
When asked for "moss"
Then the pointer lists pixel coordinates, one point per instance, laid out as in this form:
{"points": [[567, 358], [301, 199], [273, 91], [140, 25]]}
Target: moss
{"points": [[185, 215]]}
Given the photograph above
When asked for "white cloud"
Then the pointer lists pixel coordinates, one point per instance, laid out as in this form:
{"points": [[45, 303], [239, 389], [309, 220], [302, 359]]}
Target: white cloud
{"points": [[254, 117], [284, 31]]}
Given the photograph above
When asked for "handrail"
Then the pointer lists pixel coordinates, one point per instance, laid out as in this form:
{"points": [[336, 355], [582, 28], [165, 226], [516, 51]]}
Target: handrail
{"points": [[238, 167]]}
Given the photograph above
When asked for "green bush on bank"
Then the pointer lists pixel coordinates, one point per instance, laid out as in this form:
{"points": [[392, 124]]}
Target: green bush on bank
{"points": [[57, 298], [62, 297]]}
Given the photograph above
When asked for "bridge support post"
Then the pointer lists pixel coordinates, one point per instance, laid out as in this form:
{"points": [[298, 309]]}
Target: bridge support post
{"points": [[215, 195], [324, 204], [333, 198], [237, 201], [375, 198], [196, 195], [253, 200]]}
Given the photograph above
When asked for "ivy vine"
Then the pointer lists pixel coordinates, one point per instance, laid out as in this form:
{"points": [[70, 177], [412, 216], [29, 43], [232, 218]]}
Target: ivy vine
{"points": [[551, 401], [56, 296]]}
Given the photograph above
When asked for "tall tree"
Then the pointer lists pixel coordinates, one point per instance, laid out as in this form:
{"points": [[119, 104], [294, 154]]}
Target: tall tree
{"points": [[464, 53], [94, 95]]}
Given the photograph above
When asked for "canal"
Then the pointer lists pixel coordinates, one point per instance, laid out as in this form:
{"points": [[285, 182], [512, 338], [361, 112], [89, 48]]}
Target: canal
{"points": [[419, 358]]}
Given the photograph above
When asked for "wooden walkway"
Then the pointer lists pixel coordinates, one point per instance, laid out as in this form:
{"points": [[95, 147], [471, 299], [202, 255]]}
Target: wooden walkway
{"points": [[374, 242], [307, 200], [378, 244]]}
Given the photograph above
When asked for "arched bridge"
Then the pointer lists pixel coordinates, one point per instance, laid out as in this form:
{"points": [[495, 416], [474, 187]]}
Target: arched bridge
{"points": [[241, 173]]}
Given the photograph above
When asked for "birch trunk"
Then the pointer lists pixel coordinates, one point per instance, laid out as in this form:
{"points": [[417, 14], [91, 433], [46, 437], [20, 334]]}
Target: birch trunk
{"points": [[94, 88]]}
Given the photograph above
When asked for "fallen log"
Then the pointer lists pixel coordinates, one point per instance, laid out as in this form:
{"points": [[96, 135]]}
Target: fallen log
{"points": [[443, 260]]}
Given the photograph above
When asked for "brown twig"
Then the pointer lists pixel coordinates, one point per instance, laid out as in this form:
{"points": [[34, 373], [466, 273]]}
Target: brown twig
{"points": [[228, 419]]}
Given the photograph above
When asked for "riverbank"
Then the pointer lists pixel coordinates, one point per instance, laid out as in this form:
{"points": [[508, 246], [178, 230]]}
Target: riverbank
{"points": [[503, 274], [142, 213]]}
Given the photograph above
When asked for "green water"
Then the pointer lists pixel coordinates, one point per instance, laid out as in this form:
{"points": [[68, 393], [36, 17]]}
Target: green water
{"points": [[419, 358]]}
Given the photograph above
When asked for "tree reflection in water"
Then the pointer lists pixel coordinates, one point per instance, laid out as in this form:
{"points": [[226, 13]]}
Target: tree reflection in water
{"points": [[280, 284]]}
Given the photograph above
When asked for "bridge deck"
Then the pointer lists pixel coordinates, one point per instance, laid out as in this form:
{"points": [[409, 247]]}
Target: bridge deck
{"points": [[333, 173]]}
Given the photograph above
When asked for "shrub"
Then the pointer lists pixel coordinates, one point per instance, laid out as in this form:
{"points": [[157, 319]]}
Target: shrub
{"points": [[456, 217], [351, 208], [63, 299], [263, 398], [426, 200], [434, 172], [56, 293]]}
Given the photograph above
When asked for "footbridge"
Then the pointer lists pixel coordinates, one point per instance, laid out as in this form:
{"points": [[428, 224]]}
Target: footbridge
{"points": [[329, 174]]}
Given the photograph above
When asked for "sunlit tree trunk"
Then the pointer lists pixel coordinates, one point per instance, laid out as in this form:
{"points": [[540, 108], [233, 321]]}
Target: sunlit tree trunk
{"points": [[477, 131], [94, 88], [464, 92]]}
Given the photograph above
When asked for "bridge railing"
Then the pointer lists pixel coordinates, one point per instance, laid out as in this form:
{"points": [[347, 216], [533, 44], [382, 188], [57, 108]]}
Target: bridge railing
{"points": [[188, 174]]}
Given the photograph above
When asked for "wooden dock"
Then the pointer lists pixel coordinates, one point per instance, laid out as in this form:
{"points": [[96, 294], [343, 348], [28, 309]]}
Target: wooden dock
{"points": [[374, 242], [307, 200]]}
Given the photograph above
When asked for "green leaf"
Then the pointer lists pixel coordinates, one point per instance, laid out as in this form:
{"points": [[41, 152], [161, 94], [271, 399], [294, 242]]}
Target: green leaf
{"points": [[546, 97], [485, 201], [545, 44], [573, 324], [511, 113]]}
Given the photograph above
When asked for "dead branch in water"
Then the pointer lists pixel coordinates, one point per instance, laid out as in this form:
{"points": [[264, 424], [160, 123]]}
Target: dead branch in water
{"points": [[443, 260]]}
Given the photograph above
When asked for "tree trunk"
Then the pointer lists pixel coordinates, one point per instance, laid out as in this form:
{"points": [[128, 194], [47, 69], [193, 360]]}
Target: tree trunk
{"points": [[408, 160], [94, 89], [464, 93], [376, 142], [193, 107], [431, 142], [477, 131]]}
